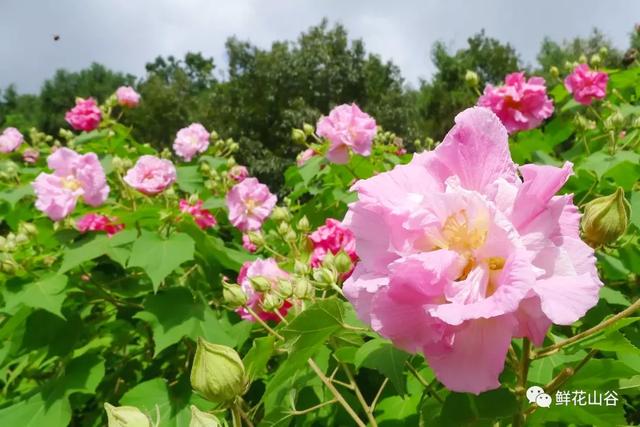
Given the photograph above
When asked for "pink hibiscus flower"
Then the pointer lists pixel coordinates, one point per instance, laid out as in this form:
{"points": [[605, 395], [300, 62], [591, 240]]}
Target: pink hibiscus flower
{"points": [[520, 104], [586, 85], [10, 140], [267, 268], [85, 115], [347, 127], [202, 217], [458, 254], [151, 175], [191, 141], [127, 96], [249, 203]]}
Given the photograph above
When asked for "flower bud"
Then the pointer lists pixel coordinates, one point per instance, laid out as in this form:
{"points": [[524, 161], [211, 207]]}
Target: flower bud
{"points": [[256, 238], [343, 262], [555, 73], [471, 78], [205, 167], [283, 228], [596, 60], [272, 302], [217, 373], [290, 236], [280, 214], [126, 416], [285, 288], [307, 129], [603, 51], [203, 419], [298, 136], [328, 260], [21, 238], [303, 289], [28, 228], [614, 121], [117, 163], [582, 59], [233, 295], [260, 284], [213, 135], [324, 277], [606, 218], [303, 224], [301, 268]]}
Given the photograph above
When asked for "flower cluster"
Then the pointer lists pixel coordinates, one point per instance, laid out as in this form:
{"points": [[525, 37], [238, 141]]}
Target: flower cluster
{"points": [[458, 254], [269, 271], [332, 237]]}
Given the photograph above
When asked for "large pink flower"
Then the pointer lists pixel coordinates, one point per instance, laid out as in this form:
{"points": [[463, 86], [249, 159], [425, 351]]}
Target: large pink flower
{"points": [[85, 115], [250, 203], [332, 237], [151, 175], [458, 254], [10, 139], [202, 217], [98, 222], [127, 96], [191, 141], [347, 127], [586, 85], [74, 176], [268, 269], [520, 104]]}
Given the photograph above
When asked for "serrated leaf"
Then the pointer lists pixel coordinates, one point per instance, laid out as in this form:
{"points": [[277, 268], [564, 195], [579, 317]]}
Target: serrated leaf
{"points": [[47, 293], [98, 246], [158, 257]]}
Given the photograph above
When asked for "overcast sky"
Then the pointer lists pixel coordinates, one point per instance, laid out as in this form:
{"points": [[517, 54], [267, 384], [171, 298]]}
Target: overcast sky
{"points": [[125, 34]]}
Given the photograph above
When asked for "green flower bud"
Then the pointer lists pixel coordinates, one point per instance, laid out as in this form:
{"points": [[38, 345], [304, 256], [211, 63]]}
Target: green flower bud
{"points": [[343, 262], [303, 225], [3, 244], [126, 416], [324, 277], [307, 129], [271, 302], [28, 229], [280, 214], [256, 238], [203, 419], [21, 238], [260, 284], [285, 288], [582, 59], [290, 236], [303, 289], [555, 73], [606, 218], [117, 163], [595, 60], [205, 167], [7, 264], [283, 228], [231, 162], [298, 136], [329, 260], [604, 51], [614, 121], [213, 135], [301, 268], [233, 295], [217, 373], [471, 78]]}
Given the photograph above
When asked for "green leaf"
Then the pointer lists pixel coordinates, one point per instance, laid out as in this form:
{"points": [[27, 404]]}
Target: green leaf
{"points": [[189, 179], [15, 195], [174, 314], [98, 246], [601, 162], [614, 297], [47, 293], [37, 412], [385, 358], [398, 408], [159, 257], [213, 252], [579, 415], [635, 209], [81, 375], [255, 362]]}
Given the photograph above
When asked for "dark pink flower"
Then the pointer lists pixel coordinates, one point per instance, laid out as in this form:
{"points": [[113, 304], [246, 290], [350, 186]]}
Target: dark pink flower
{"points": [[202, 217], [520, 104], [332, 237], [586, 85], [269, 269], [246, 243], [97, 222], [85, 115]]}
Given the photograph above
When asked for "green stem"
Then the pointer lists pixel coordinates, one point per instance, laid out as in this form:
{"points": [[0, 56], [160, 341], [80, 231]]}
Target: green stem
{"points": [[523, 373]]}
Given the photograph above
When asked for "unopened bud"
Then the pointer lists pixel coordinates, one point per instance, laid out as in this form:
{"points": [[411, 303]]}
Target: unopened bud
{"points": [[290, 236], [604, 51], [260, 283], [555, 73], [203, 419], [280, 214], [283, 228], [233, 295], [285, 288], [606, 218], [471, 78], [117, 163], [595, 60], [614, 121], [343, 262], [301, 268], [324, 277], [205, 167], [303, 224], [126, 416], [256, 238], [7, 264], [29, 229], [217, 373], [272, 302], [298, 136], [303, 289], [213, 135], [582, 59], [307, 129]]}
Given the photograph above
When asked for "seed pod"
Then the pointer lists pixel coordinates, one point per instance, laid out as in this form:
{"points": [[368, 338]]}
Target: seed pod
{"points": [[606, 218], [217, 373]]}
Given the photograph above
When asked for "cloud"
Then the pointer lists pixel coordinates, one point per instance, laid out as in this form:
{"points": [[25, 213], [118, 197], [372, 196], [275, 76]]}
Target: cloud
{"points": [[125, 34]]}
